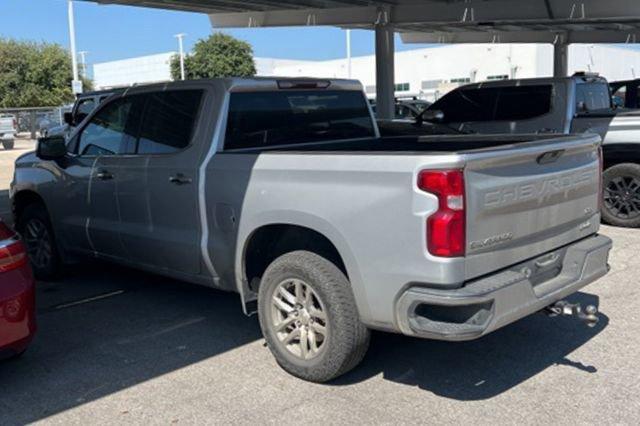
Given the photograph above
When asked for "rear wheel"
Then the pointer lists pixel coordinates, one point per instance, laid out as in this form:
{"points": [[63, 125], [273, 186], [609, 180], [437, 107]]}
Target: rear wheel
{"points": [[622, 195], [309, 318], [37, 233], [8, 144]]}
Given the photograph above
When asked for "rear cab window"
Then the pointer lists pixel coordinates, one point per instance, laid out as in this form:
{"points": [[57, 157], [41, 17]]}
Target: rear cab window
{"points": [[496, 103], [523, 102], [270, 118]]}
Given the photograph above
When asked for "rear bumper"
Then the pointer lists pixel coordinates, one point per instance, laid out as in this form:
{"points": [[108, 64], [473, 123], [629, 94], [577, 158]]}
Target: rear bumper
{"points": [[489, 303], [17, 311]]}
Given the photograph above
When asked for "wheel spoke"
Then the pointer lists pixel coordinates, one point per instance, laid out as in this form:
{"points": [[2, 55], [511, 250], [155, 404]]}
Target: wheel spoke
{"points": [[319, 328], [280, 304], [308, 298], [290, 298], [304, 343], [318, 314], [285, 323], [295, 333], [313, 343]]}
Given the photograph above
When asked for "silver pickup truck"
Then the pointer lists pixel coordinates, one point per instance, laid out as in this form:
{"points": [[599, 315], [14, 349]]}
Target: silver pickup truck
{"points": [[283, 191]]}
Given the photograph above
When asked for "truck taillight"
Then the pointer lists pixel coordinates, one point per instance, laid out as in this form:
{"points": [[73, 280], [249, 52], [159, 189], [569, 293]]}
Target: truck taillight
{"points": [[446, 227], [12, 252]]}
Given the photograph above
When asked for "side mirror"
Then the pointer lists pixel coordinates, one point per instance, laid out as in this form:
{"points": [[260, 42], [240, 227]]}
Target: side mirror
{"points": [[79, 117], [68, 118], [51, 148], [432, 116]]}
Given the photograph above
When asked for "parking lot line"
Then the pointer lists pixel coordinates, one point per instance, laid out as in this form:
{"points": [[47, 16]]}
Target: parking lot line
{"points": [[88, 300]]}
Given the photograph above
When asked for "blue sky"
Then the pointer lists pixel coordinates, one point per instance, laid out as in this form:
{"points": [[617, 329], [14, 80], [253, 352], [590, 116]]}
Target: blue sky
{"points": [[117, 32]]}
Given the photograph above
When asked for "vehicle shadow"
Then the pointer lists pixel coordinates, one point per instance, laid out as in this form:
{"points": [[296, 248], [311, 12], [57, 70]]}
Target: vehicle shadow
{"points": [[106, 328], [482, 368]]}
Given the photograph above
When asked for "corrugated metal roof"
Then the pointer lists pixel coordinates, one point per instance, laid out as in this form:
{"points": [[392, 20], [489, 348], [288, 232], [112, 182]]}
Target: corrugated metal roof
{"points": [[444, 21]]}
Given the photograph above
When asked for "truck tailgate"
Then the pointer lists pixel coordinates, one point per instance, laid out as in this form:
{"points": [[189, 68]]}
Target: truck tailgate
{"points": [[523, 202]]}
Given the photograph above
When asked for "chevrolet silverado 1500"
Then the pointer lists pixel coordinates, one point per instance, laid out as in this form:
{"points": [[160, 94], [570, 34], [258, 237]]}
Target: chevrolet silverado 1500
{"points": [[283, 191]]}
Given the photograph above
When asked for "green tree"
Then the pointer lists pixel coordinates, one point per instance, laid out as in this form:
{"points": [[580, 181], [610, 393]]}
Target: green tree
{"points": [[34, 74], [220, 55]]}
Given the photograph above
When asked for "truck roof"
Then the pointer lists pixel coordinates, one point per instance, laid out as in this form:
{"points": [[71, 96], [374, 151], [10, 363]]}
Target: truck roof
{"points": [[538, 80], [241, 84]]}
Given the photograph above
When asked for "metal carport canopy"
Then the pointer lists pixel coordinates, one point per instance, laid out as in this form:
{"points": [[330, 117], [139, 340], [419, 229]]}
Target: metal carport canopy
{"points": [[560, 22]]}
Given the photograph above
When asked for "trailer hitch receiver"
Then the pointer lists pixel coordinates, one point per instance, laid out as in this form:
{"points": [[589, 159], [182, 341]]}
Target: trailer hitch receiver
{"points": [[564, 308]]}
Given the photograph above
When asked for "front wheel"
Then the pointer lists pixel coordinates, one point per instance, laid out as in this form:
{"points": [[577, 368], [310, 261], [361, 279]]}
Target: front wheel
{"points": [[36, 231], [309, 318], [622, 195]]}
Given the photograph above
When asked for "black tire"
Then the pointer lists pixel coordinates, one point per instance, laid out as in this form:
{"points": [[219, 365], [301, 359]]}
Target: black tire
{"points": [[8, 144], [36, 231], [347, 339], [621, 184]]}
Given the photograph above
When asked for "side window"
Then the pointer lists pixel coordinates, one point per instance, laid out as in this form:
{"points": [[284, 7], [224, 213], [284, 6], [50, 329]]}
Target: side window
{"points": [[106, 133], [464, 105], [592, 96], [168, 122], [523, 102]]}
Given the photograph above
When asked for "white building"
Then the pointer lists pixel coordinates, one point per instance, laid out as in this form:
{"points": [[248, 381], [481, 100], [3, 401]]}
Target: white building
{"points": [[126, 72], [427, 73]]}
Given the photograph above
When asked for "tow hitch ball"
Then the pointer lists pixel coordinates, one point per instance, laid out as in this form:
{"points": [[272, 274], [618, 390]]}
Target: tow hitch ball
{"points": [[564, 308]]}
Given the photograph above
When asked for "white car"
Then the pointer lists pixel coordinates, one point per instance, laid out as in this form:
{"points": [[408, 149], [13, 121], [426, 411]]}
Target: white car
{"points": [[8, 127]]}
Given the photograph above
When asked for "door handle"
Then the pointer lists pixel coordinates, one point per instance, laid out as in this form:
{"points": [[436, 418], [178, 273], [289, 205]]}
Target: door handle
{"points": [[180, 179], [104, 175]]}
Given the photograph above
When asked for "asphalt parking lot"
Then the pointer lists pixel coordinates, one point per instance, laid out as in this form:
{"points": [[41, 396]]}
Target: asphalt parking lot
{"points": [[118, 346]]}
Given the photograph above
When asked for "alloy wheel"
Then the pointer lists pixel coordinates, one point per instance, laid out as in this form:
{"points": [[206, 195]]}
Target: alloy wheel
{"points": [[37, 239], [299, 318]]}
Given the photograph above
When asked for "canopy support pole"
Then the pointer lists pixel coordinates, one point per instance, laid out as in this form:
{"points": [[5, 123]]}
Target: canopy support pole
{"points": [[560, 60], [385, 83]]}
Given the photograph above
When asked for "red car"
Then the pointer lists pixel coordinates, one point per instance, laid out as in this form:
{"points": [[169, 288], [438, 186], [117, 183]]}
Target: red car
{"points": [[17, 295]]}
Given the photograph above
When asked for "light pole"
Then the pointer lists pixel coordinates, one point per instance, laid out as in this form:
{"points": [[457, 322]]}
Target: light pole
{"points": [[180, 37], [349, 53], [76, 84]]}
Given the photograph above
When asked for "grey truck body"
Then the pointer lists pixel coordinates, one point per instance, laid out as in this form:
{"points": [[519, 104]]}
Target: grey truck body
{"points": [[213, 212]]}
